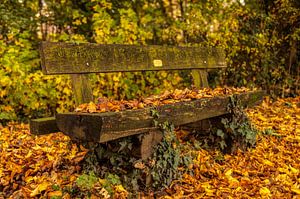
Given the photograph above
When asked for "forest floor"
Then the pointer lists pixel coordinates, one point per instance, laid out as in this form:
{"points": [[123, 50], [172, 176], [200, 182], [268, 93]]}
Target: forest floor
{"points": [[48, 166]]}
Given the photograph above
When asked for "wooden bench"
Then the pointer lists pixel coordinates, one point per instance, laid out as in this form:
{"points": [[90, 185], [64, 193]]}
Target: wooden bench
{"points": [[80, 59]]}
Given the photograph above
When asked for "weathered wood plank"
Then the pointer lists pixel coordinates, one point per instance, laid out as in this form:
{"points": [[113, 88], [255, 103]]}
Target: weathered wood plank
{"points": [[200, 78], [82, 89], [203, 77], [43, 126], [103, 127], [149, 142], [67, 58]]}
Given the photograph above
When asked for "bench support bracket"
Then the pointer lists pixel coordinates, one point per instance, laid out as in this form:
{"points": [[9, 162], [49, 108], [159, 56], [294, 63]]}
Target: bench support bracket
{"points": [[200, 78], [81, 88]]}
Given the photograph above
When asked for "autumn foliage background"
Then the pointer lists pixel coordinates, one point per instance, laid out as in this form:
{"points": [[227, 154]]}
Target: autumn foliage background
{"points": [[261, 39]]}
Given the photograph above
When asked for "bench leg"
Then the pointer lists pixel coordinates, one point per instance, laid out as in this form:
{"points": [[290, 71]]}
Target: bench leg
{"points": [[149, 141]]}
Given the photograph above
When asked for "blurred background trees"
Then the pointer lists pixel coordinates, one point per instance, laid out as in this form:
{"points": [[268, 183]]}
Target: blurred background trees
{"points": [[261, 39]]}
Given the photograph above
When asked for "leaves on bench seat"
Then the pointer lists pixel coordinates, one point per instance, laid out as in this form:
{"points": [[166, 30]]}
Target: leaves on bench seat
{"points": [[167, 97]]}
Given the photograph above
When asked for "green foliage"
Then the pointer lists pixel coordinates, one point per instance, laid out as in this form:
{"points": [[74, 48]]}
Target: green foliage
{"points": [[113, 179], [237, 131], [115, 157], [110, 180], [17, 19], [131, 85], [87, 181], [261, 45], [121, 157], [55, 187], [55, 197], [271, 132], [168, 156], [32, 94], [169, 159]]}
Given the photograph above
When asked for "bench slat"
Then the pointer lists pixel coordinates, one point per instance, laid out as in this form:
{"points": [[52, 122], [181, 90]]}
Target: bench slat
{"points": [[103, 127], [69, 58]]}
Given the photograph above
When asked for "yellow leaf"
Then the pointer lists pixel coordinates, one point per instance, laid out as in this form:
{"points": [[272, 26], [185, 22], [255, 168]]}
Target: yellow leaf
{"points": [[116, 78], [76, 22], [269, 163], [28, 154], [36, 147], [19, 156], [39, 189], [50, 157], [209, 192], [264, 191], [233, 181], [120, 188], [282, 177], [102, 181], [296, 190], [228, 173], [29, 179], [283, 170], [92, 108], [294, 170], [266, 181], [167, 197], [23, 136]]}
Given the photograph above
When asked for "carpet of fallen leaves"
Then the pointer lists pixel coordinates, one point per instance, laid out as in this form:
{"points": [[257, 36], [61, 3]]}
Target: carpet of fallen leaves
{"points": [[30, 165], [271, 170], [47, 166]]}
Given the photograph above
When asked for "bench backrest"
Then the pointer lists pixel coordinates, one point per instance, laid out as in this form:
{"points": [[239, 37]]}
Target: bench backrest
{"points": [[78, 59]]}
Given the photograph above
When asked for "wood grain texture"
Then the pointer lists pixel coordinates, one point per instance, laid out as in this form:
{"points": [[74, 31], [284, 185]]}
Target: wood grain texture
{"points": [[82, 89], [149, 142], [68, 58], [200, 78], [43, 126], [103, 127]]}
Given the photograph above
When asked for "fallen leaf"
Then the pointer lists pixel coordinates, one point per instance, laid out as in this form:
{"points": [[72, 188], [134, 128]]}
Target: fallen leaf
{"points": [[269, 163], [55, 194], [41, 187], [264, 191], [295, 190]]}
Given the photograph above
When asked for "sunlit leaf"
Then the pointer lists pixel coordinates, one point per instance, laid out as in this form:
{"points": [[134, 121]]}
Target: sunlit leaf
{"points": [[41, 187], [264, 191]]}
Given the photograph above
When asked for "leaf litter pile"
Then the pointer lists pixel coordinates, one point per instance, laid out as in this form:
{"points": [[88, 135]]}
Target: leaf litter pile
{"points": [[167, 97], [271, 170], [49, 166]]}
